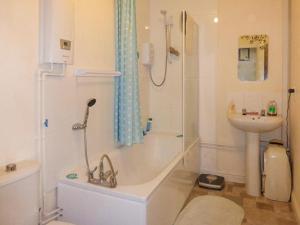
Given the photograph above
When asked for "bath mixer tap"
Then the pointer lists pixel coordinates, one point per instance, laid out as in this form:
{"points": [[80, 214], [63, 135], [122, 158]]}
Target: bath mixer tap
{"points": [[106, 179], [91, 174]]}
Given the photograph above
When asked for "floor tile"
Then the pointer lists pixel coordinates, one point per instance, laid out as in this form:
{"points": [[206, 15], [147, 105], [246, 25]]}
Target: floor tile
{"points": [[258, 210], [265, 206]]}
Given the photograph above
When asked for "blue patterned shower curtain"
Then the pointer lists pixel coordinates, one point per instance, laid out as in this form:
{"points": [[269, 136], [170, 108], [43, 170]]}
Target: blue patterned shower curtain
{"points": [[127, 120]]}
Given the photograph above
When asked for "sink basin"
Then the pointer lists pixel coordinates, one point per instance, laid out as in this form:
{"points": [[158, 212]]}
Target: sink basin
{"points": [[253, 125]]}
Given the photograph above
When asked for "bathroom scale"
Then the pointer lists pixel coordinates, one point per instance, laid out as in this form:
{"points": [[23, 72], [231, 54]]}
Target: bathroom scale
{"points": [[211, 181]]}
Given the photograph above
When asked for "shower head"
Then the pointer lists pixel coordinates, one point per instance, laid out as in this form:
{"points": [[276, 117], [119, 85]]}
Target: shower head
{"points": [[78, 126], [164, 13], [91, 102], [167, 20]]}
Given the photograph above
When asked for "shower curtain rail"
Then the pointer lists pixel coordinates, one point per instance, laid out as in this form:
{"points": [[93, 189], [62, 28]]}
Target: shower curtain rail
{"points": [[95, 73]]}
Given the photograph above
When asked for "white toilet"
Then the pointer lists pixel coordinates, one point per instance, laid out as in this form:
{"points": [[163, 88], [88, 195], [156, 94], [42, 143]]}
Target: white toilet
{"points": [[19, 195]]}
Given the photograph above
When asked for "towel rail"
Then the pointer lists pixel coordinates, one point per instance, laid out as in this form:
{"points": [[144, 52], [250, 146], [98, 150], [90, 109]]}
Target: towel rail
{"points": [[95, 73]]}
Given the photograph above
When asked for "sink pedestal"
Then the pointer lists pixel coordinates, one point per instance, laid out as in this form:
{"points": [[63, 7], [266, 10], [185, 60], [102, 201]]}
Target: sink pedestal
{"points": [[253, 177]]}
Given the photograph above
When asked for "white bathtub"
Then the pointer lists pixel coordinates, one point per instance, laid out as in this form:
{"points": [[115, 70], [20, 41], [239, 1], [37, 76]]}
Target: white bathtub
{"points": [[154, 181]]}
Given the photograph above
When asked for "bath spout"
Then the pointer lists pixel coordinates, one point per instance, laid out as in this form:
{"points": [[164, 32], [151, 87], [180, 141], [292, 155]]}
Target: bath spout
{"points": [[106, 178]]}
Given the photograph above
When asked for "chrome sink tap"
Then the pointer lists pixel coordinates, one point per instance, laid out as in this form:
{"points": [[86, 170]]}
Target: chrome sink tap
{"points": [[108, 178]]}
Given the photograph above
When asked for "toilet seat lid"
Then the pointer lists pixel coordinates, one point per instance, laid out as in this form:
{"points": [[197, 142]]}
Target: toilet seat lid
{"points": [[59, 223]]}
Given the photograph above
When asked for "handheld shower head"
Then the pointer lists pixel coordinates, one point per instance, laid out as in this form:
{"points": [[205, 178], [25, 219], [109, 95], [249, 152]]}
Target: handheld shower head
{"points": [[91, 102], [78, 126]]}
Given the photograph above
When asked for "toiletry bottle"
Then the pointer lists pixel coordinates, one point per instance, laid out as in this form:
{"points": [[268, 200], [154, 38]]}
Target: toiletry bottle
{"points": [[144, 132], [149, 125], [272, 108]]}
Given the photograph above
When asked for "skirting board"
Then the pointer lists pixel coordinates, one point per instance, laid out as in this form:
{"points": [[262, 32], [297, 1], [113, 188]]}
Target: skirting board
{"points": [[236, 178], [228, 177], [296, 206]]}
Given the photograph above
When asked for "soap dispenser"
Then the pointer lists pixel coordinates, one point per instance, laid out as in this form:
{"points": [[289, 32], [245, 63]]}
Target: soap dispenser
{"points": [[272, 108]]}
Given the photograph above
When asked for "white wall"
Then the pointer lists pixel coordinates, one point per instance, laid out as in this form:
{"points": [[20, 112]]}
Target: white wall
{"points": [[19, 58], [223, 151], [65, 97], [222, 145], [166, 102]]}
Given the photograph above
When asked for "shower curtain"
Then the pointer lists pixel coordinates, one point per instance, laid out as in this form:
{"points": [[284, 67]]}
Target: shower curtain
{"points": [[127, 122]]}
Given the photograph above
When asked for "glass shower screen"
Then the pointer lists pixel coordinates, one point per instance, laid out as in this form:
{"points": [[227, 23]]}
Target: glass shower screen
{"points": [[190, 78]]}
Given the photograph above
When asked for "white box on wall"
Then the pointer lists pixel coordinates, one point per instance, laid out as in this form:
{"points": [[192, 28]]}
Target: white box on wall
{"points": [[58, 31]]}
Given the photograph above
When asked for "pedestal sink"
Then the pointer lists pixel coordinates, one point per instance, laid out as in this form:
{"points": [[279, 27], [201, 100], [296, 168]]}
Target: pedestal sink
{"points": [[253, 125]]}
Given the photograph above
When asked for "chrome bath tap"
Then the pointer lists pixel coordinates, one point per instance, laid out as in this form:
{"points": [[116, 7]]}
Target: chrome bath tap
{"points": [[109, 177], [106, 178]]}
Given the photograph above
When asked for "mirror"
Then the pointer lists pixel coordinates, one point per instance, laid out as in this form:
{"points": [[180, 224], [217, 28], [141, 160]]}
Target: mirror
{"points": [[253, 57]]}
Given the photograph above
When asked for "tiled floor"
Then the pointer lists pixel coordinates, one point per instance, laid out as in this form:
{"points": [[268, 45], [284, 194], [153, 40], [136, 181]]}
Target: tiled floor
{"points": [[258, 211]]}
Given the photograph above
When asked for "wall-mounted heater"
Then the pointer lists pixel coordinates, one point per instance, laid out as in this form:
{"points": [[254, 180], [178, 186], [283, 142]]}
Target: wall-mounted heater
{"points": [[58, 31]]}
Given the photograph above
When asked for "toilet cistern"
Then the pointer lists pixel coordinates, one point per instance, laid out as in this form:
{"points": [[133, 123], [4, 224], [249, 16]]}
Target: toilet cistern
{"points": [[253, 125]]}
